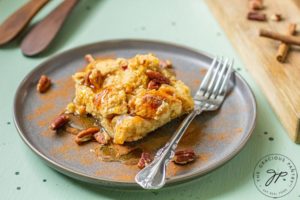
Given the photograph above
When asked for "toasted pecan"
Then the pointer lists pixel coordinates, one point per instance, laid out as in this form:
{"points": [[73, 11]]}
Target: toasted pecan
{"points": [[156, 79], [59, 122], [86, 135], [43, 84], [153, 85], [157, 76], [184, 156], [255, 5], [145, 160], [257, 16]]}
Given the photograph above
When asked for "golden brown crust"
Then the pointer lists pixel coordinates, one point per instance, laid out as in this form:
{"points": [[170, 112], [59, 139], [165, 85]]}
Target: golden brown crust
{"points": [[117, 93]]}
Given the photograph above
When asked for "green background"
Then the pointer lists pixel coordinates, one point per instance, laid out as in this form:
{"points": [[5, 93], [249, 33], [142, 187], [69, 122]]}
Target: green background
{"points": [[186, 22]]}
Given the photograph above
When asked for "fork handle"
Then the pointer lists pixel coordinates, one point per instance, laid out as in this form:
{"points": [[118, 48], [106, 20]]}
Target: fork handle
{"points": [[153, 176]]}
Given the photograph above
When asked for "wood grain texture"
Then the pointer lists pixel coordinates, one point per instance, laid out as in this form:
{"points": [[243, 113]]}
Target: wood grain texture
{"points": [[15, 23], [279, 82], [44, 32]]}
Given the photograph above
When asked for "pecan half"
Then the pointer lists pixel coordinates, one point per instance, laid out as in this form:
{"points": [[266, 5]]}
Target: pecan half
{"points": [[102, 137], [89, 58], [256, 16], [157, 76], [86, 135], [59, 122], [145, 160], [156, 79], [153, 85], [43, 84], [255, 4], [184, 156]]}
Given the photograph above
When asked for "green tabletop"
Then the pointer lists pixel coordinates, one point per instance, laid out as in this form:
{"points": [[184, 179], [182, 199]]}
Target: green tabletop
{"points": [[23, 175]]}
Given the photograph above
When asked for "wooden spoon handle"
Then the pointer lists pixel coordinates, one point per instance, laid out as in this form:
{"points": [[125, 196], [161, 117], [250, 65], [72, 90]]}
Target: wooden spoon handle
{"points": [[15, 23], [44, 32]]}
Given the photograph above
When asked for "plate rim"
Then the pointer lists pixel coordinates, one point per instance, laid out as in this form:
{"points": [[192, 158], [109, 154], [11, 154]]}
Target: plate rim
{"points": [[121, 184]]}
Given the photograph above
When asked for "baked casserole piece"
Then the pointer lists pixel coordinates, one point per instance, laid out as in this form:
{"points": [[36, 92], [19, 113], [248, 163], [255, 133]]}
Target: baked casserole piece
{"points": [[130, 97]]}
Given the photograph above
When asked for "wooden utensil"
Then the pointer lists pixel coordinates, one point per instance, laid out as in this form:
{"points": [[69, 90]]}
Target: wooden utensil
{"points": [[15, 23], [43, 33], [280, 82]]}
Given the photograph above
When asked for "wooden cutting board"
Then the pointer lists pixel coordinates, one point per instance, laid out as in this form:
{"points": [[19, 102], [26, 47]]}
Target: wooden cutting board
{"points": [[279, 82]]}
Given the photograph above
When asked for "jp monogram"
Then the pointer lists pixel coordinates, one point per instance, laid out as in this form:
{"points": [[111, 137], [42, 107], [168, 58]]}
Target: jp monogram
{"points": [[275, 175]]}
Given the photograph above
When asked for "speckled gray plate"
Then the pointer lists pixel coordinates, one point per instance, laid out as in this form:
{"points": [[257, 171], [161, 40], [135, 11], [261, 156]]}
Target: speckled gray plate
{"points": [[216, 136]]}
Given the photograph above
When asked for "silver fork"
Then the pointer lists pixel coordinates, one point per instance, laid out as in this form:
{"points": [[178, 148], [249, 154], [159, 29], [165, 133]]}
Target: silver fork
{"points": [[209, 97]]}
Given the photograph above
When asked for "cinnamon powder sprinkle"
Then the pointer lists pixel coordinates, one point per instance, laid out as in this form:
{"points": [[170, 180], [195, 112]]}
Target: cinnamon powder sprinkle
{"points": [[63, 91], [119, 175], [218, 137], [239, 130], [202, 71], [40, 110], [197, 82]]}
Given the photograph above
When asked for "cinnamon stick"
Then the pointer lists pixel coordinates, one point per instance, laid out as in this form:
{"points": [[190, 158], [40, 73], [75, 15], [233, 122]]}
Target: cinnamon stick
{"points": [[288, 39], [283, 47]]}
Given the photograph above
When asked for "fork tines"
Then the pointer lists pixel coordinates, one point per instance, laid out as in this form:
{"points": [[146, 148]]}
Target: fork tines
{"points": [[216, 79]]}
